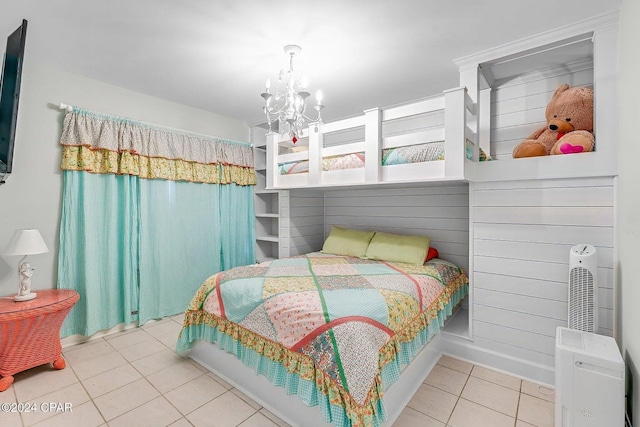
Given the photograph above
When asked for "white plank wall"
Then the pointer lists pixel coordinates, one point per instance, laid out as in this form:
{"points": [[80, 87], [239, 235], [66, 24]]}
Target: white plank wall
{"points": [[440, 211], [518, 105], [523, 231], [303, 230]]}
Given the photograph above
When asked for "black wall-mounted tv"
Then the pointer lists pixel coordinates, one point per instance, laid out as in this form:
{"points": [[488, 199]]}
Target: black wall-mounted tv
{"points": [[10, 94]]}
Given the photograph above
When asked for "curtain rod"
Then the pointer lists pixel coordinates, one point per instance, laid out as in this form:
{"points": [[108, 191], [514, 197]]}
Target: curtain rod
{"points": [[69, 108]]}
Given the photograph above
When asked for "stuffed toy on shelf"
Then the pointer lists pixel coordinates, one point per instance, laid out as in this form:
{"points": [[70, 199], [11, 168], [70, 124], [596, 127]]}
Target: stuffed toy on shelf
{"points": [[569, 127]]}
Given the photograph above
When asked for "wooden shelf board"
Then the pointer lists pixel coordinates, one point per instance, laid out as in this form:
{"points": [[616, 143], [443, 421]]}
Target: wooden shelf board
{"points": [[268, 238]]}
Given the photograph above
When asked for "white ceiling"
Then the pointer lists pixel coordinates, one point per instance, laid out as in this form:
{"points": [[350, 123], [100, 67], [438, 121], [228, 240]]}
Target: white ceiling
{"points": [[216, 54]]}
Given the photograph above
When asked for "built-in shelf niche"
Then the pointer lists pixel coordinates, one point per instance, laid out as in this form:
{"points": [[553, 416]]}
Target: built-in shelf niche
{"points": [[514, 83]]}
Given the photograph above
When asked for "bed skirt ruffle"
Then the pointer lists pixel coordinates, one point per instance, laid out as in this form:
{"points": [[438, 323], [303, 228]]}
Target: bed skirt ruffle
{"points": [[401, 354]]}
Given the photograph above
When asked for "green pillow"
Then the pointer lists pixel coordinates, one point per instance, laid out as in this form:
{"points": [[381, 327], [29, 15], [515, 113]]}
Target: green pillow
{"points": [[398, 248], [342, 241]]}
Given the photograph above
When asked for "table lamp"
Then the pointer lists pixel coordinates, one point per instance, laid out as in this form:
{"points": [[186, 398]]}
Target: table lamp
{"points": [[25, 242]]}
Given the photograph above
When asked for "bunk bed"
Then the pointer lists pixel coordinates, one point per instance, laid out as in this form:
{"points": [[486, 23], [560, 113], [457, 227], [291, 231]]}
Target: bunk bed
{"points": [[455, 127], [433, 139]]}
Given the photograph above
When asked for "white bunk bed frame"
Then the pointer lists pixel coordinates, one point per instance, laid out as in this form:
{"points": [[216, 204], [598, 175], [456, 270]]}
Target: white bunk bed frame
{"points": [[459, 129]]}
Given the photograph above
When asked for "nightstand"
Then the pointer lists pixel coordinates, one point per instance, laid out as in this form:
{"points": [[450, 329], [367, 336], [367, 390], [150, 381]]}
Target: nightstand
{"points": [[30, 332]]}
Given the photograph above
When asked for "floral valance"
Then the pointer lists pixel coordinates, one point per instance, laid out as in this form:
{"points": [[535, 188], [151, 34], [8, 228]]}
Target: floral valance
{"points": [[101, 143]]}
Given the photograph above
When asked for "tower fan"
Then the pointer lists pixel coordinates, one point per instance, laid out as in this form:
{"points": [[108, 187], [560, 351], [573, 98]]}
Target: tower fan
{"points": [[583, 292]]}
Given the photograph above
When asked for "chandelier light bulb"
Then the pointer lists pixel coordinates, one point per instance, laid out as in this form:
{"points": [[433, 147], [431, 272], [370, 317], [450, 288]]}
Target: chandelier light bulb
{"points": [[319, 97], [268, 84], [304, 82]]}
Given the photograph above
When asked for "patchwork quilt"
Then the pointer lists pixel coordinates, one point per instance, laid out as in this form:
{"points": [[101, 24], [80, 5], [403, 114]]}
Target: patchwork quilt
{"points": [[413, 153], [333, 320], [417, 153]]}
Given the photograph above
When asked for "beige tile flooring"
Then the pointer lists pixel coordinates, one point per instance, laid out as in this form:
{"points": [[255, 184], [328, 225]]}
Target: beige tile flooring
{"points": [[135, 378], [459, 394]]}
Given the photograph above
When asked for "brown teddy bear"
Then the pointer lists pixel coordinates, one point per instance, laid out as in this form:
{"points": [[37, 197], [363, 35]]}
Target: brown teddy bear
{"points": [[569, 125]]}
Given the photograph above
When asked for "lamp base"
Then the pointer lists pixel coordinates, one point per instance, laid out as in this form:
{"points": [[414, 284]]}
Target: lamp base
{"points": [[27, 297]]}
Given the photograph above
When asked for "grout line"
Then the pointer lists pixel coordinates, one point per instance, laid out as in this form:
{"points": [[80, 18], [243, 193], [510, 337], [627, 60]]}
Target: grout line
{"points": [[452, 411], [459, 396], [142, 377], [118, 351], [182, 416], [479, 404], [249, 417], [518, 407], [89, 394], [125, 385]]}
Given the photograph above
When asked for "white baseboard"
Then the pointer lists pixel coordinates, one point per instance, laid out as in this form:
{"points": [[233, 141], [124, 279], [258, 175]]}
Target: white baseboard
{"points": [[79, 339], [467, 350]]}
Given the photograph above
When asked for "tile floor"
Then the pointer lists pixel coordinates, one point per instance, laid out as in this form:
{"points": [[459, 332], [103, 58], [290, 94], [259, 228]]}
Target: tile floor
{"points": [[135, 378]]}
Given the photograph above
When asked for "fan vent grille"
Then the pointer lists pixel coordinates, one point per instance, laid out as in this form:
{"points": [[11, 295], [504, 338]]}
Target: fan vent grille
{"points": [[581, 300]]}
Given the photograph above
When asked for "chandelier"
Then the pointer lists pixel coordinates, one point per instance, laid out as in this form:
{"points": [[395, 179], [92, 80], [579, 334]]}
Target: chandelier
{"points": [[287, 104]]}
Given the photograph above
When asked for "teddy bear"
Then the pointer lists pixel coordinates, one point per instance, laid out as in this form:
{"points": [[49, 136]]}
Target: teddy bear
{"points": [[569, 127]]}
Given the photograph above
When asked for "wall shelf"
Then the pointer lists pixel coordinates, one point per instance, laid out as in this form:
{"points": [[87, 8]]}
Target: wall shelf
{"points": [[267, 215], [594, 164], [267, 203]]}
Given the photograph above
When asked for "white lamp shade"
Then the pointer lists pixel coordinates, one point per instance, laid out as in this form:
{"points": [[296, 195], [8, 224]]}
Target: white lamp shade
{"points": [[26, 242]]}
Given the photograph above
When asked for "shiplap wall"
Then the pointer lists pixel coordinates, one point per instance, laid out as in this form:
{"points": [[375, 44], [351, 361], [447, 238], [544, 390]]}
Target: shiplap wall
{"points": [[302, 222], [518, 105], [440, 211], [523, 232]]}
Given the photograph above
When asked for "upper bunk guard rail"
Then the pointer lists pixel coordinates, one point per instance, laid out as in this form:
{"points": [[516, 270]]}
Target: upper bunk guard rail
{"points": [[458, 130]]}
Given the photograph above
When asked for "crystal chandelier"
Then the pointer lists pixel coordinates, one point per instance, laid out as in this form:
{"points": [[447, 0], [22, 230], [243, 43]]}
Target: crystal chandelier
{"points": [[287, 104]]}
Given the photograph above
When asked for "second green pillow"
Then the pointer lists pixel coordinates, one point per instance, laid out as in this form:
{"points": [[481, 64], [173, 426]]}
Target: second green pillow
{"points": [[398, 248]]}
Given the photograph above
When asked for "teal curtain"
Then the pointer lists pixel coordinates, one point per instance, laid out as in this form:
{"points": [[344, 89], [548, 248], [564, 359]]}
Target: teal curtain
{"points": [[237, 225], [98, 254], [138, 249], [148, 213], [179, 244]]}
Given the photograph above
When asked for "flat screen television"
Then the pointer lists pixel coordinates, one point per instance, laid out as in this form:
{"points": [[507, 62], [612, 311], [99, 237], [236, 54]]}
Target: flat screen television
{"points": [[10, 94]]}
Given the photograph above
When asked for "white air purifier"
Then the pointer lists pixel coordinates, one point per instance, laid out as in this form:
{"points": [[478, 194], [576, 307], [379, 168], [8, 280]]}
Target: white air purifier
{"points": [[589, 380], [583, 289]]}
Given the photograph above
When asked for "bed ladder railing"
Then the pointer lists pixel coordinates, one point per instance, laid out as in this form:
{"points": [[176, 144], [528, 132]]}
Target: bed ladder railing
{"points": [[460, 127], [373, 152]]}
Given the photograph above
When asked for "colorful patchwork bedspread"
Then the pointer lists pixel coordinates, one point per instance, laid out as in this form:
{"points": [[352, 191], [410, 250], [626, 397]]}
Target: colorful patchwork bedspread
{"points": [[417, 153], [333, 320]]}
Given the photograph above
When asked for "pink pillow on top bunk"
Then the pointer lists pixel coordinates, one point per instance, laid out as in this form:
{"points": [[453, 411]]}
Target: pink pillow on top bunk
{"points": [[431, 253]]}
